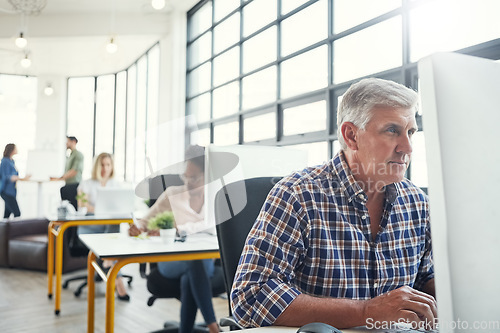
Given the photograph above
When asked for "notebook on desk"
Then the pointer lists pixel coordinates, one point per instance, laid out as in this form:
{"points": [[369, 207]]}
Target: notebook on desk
{"points": [[114, 202]]}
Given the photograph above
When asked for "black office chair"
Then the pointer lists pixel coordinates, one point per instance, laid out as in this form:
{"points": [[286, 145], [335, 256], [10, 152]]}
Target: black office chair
{"points": [[232, 232], [158, 185], [75, 246]]}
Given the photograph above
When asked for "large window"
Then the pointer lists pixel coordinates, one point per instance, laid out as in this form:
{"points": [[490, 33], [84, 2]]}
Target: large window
{"points": [[18, 99], [272, 71], [117, 113]]}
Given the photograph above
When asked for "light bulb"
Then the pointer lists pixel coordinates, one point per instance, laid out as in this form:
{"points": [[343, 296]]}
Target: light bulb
{"points": [[48, 90], [26, 62], [111, 47], [21, 42], [158, 4]]}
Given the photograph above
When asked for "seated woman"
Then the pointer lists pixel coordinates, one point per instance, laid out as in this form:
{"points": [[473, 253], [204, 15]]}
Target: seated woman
{"points": [[102, 176], [186, 202]]}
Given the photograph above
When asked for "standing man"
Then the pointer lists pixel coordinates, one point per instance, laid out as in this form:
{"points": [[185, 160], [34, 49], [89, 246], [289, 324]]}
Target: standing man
{"points": [[348, 242], [74, 164]]}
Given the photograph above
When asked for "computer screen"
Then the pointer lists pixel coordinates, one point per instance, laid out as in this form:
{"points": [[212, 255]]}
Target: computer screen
{"points": [[460, 101]]}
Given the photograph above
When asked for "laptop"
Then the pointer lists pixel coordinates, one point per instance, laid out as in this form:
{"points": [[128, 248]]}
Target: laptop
{"points": [[114, 202]]}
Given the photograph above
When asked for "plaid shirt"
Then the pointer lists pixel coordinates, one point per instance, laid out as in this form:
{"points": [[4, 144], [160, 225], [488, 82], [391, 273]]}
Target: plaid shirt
{"points": [[313, 236]]}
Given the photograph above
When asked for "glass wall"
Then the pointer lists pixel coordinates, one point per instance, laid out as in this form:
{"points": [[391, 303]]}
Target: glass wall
{"points": [[117, 113], [272, 72]]}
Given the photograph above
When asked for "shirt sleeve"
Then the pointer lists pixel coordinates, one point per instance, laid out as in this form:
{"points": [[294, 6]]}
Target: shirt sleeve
{"points": [[77, 162], [263, 285], [426, 267]]}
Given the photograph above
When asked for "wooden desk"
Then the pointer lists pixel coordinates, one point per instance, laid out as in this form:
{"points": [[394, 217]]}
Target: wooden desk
{"points": [[56, 230], [126, 250]]}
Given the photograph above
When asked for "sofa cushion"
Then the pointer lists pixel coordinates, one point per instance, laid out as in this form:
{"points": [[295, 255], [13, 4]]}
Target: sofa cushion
{"points": [[28, 252]]}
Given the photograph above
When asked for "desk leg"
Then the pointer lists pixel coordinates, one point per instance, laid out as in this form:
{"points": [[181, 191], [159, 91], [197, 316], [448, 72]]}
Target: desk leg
{"points": [[50, 259], [58, 264], [110, 296], [90, 292]]}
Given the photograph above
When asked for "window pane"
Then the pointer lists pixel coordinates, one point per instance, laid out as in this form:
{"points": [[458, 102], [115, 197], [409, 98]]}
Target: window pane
{"points": [[200, 21], [351, 58], [304, 28], [140, 120], [439, 26], [152, 111], [304, 118], [349, 13], [104, 114], [131, 111], [289, 5], [224, 7], [335, 147], [227, 33], [259, 88], [317, 152], [260, 127], [419, 161], [257, 14], [199, 80], [121, 95], [226, 134], [253, 57], [200, 50], [226, 100], [81, 117], [201, 137], [199, 107], [227, 66], [304, 73]]}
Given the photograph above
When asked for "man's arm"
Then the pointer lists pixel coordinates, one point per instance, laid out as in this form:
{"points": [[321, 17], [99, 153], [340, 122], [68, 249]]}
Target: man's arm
{"points": [[430, 288], [403, 303]]}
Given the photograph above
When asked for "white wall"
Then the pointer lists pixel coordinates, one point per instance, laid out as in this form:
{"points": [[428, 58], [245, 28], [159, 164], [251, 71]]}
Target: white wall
{"points": [[51, 117]]}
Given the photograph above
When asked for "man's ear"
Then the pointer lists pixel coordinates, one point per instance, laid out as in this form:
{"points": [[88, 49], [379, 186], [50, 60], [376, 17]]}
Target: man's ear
{"points": [[349, 133]]}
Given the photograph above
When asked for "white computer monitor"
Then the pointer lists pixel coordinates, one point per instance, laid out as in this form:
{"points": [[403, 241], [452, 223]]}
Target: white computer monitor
{"points": [[461, 117], [114, 201]]}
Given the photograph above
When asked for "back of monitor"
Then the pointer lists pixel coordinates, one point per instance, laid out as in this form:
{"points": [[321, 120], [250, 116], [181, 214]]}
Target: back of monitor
{"points": [[461, 118]]}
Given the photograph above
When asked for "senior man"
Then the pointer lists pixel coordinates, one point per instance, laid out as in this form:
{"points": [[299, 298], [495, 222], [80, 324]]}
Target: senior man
{"points": [[348, 242]]}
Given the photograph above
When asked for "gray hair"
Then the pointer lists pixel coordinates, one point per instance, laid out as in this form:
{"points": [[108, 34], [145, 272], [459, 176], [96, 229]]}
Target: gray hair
{"points": [[361, 97]]}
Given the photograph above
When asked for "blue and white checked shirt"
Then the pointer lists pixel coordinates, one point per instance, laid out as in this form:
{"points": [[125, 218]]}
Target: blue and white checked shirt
{"points": [[313, 236]]}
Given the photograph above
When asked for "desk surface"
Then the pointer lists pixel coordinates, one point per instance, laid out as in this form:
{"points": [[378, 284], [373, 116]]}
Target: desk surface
{"points": [[282, 329], [119, 245], [69, 218]]}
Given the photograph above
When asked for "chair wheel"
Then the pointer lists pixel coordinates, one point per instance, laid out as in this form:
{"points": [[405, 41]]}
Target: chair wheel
{"points": [[65, 285], [77, 293], [129, 283]]}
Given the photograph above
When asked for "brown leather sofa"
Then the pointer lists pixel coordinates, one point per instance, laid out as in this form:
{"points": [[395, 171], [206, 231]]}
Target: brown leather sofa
{"points": [[23, 244]]}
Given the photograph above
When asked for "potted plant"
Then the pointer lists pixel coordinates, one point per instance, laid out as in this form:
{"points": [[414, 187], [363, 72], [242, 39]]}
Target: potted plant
{"points": [[165, 223]]}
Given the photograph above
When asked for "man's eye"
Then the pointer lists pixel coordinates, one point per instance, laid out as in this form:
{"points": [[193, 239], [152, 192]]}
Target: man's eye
{"points": [[391, 130]]}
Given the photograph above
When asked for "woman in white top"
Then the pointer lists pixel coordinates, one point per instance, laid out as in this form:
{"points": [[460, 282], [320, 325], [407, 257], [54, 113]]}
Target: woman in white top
{"points": [[102, 176], [187, 204]]}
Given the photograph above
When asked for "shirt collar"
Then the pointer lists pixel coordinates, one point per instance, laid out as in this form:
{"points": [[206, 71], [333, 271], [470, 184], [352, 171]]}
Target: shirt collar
{"points": [[342, 173], [350, 186]]}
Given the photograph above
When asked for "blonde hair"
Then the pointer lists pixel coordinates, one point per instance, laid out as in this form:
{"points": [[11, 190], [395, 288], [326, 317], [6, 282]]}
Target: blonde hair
{"points": [[96, 169]]}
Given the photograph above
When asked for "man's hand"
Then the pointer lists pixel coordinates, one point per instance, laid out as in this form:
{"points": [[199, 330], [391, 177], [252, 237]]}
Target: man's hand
{"points": [[403, 303], [55, 178]]}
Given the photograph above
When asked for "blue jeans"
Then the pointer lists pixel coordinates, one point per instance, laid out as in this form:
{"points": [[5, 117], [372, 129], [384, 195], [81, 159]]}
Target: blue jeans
{"points": [[11, 206], [196, 291]]}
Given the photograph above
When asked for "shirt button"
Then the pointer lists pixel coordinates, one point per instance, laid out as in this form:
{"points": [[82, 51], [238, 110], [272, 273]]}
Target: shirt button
{"points": [[363, 217], [361, 196], [375, 285]]}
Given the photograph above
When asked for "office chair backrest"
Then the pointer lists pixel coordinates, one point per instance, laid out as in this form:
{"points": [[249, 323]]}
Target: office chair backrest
{"points": [[232, 233], [158, 184], [69, 192], [76, 247]]}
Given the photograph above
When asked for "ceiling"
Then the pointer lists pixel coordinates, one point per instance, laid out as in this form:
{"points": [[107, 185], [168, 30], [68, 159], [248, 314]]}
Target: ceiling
{"points": [[68, 37]]}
